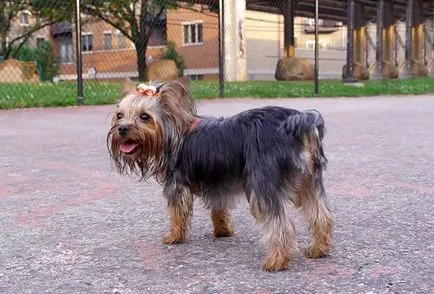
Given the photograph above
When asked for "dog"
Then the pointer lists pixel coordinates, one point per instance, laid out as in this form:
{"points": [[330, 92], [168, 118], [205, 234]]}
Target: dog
{"points": [[272, 155]]}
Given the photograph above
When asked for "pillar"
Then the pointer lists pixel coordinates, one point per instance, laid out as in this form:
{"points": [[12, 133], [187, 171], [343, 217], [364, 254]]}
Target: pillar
{"points": [[379, 43], [386, 39], [415, 40], [432, 45], [287, 8], [289, 67], [419, 39], [348, 74], [409, 37], [357, 33], [235, 62], [389, 33], [360, 38]]}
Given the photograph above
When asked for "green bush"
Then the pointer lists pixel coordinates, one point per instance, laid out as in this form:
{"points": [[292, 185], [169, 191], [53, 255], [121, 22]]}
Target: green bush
{"points": [[25, 53], [43, 55], [46, 61], [171, 53]]}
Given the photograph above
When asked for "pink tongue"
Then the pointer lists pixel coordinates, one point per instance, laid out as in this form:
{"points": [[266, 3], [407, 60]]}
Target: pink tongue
{"points": [[128, 147]]}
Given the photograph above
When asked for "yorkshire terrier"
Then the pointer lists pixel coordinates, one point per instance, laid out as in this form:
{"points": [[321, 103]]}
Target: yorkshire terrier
{"points": [[272, 155]]}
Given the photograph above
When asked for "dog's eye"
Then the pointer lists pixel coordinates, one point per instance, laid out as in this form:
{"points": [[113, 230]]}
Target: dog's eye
{"points": [[144, 116], [119, 115]]}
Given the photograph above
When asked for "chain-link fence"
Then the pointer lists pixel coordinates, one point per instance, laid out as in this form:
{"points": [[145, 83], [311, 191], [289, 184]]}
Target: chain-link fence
{"points": [[154, 40]]}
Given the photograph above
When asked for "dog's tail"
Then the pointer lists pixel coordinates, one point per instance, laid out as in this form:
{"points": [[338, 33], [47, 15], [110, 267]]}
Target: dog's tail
{"points": [[309, 122], [308, 127]]}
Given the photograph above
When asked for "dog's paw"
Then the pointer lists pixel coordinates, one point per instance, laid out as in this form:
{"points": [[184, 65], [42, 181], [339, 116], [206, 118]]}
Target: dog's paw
{"points": [[224, 232], [169, 238], [276, 264], [314, 252]]}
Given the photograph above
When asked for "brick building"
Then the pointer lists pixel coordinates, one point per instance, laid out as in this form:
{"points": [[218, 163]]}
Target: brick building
{"points": [[109, 54]]}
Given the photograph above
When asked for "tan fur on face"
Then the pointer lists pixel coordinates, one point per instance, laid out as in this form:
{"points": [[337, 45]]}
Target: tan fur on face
{"points": [[171, 114], [149, 135]]}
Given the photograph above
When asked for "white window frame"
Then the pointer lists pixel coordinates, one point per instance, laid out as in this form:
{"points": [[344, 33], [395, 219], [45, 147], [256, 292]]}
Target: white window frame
{"points": [[72, 51], [111, 45], [323, 45], [120, 34], [84, 34], [189, 23], [27, 14], [39, 38]]}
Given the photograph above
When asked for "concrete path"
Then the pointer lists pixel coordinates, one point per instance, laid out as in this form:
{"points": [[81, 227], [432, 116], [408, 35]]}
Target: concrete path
{"points": [[70, 224]]}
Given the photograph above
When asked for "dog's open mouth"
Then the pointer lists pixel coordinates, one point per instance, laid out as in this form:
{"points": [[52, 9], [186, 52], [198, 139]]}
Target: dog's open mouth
{"points": [[129, 147]]}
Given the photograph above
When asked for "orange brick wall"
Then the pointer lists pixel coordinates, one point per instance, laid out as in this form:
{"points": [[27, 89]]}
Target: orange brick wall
{"points": [[196, 56], [117, 60]]}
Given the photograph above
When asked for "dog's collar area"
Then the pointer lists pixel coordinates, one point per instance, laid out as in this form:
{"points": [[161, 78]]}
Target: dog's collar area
{"points": [[194, 125]]}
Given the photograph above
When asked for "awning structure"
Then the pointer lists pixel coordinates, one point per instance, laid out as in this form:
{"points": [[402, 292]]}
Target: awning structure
{"points": [[355, 14], [336, 9]]}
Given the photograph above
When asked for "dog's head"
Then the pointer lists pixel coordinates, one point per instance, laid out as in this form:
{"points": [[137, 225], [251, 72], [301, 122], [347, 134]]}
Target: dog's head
{"points": [[147, 125]]}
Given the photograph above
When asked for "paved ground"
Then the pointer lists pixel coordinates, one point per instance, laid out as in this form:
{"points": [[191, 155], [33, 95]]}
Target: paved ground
{"points": [[70, 224]]}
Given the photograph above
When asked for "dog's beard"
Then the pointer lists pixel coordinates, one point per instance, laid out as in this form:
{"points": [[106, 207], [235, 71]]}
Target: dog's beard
{"points": [[140, 153]]}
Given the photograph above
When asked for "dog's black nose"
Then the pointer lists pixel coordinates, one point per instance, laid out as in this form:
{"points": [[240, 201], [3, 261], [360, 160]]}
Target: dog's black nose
{"points": [[123, 130]]}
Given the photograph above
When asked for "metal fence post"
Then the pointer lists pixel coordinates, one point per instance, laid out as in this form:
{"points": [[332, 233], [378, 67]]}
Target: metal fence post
{"points": [[316, 48], [80, 96], [221, 49]]}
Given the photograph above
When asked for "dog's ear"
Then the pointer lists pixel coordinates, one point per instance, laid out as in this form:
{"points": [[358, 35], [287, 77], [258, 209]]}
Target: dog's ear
{"points": [[184, 80], [128, 86], [176, 95]]}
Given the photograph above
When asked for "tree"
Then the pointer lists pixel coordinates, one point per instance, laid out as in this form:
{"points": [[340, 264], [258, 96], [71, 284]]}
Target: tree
{"points": [[10, 11], [136, 19], [46, 60], [171, 53]]}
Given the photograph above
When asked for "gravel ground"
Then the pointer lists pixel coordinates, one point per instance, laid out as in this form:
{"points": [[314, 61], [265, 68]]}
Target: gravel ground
{"points": [[70, 224]]}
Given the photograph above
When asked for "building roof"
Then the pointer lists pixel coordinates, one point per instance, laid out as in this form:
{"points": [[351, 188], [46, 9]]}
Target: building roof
{"points": [[329, 9]]}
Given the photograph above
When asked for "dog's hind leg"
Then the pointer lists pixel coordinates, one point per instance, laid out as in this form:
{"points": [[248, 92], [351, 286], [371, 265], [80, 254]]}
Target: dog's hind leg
{"points": [[311, 200], [222, 224], [180, 204], [278, 232]]}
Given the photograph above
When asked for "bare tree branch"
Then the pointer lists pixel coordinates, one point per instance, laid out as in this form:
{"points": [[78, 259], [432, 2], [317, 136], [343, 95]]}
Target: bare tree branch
{"points": [[30, 32], [97, 13]]}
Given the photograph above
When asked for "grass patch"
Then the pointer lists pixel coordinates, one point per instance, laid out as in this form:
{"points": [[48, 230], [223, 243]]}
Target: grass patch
{"points": [[328, 88], [62, 94], [97, 93]]}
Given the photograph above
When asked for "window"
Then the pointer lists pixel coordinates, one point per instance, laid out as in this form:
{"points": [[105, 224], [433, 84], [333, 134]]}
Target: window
{"points": [[87, 42], [121, 40], [321, 45], [159, 34], [39, 41], [193, 33], [310, 44], [24, 18], [108, 40], [196, 77], [66, 52]]}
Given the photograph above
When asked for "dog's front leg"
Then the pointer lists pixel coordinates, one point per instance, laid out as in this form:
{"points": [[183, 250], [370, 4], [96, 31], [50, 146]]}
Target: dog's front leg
{"points": [[180, 204]]}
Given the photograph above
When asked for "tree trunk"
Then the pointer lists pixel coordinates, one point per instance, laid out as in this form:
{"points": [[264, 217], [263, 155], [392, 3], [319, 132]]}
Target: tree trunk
{"points": [[141, 47], [4, 45]]}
